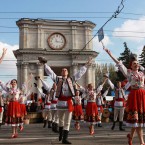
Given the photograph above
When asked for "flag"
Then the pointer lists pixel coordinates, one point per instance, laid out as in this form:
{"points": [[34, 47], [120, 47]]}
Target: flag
{"points": [[100, 34]]}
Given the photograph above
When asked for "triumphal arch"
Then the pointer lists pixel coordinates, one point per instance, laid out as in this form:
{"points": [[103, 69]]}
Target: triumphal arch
{"points": [[60, 41]]}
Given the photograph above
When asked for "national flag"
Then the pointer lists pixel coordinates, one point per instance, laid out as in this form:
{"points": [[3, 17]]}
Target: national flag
{"points": [[100, 34]]}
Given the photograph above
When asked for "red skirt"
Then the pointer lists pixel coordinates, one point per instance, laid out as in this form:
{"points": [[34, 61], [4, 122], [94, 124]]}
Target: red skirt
{"points": [[100, 108], [78, 113], [135, 108], [13, 114], [92, 112], [23, 110]]}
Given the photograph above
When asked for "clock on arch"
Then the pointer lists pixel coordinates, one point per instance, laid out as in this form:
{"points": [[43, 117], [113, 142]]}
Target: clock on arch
{"points": [[56, 41]]}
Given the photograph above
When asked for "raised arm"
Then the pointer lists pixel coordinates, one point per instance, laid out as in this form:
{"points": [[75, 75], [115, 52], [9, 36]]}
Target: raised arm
{"points": [[82, 70], [98, 90], [45, 85], [3, 54], [41, 93], [4, 86], [110, 54], [50, 72], [111, 84], [119, 64], [105, 93]]}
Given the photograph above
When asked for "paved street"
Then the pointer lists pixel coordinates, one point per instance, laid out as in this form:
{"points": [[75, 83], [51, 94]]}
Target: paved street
{"points": [[34, 134]]}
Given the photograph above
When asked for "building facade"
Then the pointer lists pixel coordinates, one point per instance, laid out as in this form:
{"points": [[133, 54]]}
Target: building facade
{"points": [[61, 42]]}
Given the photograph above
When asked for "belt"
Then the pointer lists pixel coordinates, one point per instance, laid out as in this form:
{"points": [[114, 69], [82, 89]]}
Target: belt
{"points": [[136, 88]]}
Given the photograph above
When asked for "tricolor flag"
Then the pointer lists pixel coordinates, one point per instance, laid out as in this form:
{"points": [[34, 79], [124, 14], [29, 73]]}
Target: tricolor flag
{"points": [[100, 34]]}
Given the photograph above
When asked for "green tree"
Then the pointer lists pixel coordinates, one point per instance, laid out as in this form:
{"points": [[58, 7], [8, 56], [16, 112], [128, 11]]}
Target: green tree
{"points": [[125, 58], [101, 69], [142, 57]]}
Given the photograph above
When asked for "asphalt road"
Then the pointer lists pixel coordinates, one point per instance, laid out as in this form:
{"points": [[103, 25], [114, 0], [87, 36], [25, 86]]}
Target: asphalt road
{"points": [[35, 134]]}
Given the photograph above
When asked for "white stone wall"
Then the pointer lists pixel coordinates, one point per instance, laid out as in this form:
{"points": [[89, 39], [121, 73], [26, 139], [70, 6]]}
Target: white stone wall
{"points": [[34, 42]]}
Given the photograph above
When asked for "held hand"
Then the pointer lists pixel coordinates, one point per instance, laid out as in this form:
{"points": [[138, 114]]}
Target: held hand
{"points": [[107, 50], [89, 61], [4, 51], [104, 81], [35, 85], [37, 78]]}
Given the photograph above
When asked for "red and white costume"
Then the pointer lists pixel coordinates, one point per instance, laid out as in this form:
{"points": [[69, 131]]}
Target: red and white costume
{"points": [[54, 101], [46, 113], [135, 110], [65, 92], [13, 111], [119, 102], [91, 114], [78, 111], [1, 108]]}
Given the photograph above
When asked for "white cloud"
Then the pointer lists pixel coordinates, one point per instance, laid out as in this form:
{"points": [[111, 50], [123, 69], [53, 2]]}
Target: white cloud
{"points": [[97, 46], [8, 66], [139, 49], [9, 55], [133, 28]]}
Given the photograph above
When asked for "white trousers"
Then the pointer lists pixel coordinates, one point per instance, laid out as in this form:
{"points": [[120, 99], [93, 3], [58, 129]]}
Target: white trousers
{"points": [[64, 119], [118, 112], [1, 116], [100, 116], [54, 114], [46, 113]]}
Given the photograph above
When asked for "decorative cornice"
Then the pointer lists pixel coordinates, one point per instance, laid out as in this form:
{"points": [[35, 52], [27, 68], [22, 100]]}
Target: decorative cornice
{"points": [[50, 52], [24, 21]]}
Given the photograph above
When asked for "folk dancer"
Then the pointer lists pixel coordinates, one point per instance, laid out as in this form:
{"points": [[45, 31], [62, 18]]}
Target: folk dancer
{"points": [[54, 112], [119, 104], [136, 101], [1, 107], [100, 104], [91, 114], [46, 113], [23, 100], [78, 114], [13, 111], [64, 92]]}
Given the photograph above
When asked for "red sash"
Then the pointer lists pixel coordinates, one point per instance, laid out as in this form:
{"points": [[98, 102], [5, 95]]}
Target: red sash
{"points": [[69, 102], [48, 104], [54, 102], [121, 100], [0, 109]]}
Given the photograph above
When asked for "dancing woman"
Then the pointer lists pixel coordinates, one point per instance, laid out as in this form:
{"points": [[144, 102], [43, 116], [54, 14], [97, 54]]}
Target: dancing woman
{"points": [[91, 114], [136, 98], [14, 111]]}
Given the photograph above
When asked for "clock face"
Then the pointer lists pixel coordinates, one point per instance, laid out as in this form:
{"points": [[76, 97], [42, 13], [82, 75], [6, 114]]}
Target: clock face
{"points": [[56, 41]]}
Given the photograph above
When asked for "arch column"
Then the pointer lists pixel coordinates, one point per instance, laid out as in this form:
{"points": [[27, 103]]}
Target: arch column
{"points": [[40, 72], [39, 45], [93, 74], [24, 72], [75, 68], [74, 39], [18, 74], [89, 75]]}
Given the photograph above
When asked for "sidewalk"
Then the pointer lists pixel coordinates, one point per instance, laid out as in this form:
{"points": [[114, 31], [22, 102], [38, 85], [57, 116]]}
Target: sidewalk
{"points": [[34, 134]]}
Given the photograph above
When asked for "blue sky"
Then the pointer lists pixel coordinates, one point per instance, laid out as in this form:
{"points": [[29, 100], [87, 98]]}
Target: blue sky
{"points": [[132, 20]]}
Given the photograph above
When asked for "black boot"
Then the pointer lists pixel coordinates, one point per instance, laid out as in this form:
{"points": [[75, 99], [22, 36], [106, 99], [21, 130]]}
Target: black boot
{"points": [[65, 136], [60, 133], [56, 128], [45, 122], [99, 124], [120, 126], [53, 126], [49, 124], [113, 126]]}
